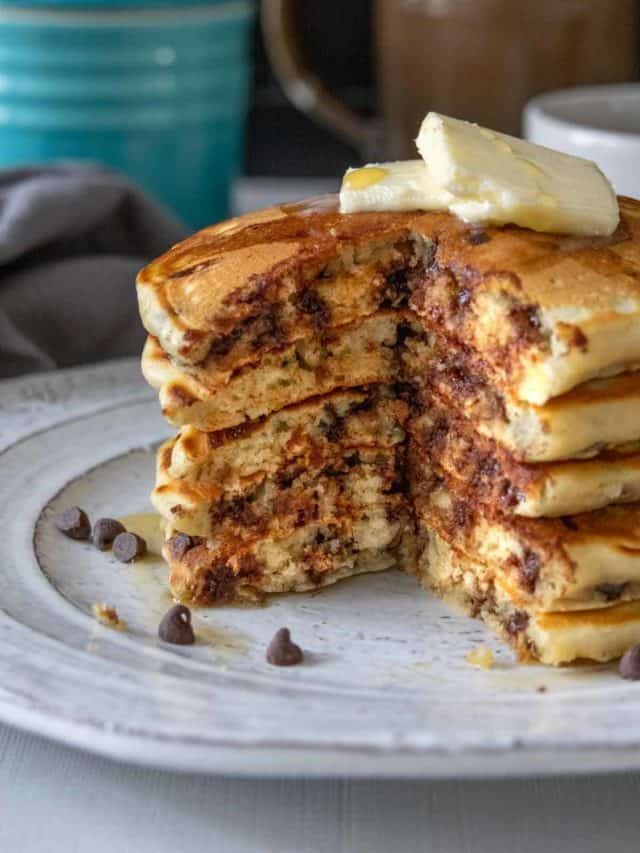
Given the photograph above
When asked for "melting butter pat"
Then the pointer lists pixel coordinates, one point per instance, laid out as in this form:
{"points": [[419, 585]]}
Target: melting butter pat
{"points": [[498, 179], [368, 176], [488, 178], [403, 185]]}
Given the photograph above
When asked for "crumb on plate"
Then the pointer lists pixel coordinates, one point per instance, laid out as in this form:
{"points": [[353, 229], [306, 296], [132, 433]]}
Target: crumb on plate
{"points": [[108, 615], [481, 656]]}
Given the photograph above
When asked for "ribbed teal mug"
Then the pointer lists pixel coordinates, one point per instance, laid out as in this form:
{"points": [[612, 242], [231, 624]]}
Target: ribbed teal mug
{"points": [[153, 88]]}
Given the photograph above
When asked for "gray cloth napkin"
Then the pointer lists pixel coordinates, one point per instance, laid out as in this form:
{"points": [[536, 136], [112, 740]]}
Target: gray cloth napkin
{"points": [[71, 241]]}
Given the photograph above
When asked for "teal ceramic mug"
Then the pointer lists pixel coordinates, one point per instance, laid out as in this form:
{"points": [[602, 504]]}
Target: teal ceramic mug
{"points": [[157, 90]]}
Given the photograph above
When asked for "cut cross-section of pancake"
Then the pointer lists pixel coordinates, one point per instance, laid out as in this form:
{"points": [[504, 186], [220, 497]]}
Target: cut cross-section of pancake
{"points": [[596, 633], [486, 473], [544, 312], [307, 433], [299, 464], [209, 399], [277, 506], [274, 505], [598, 415], [304, 497], [574, 562], [369, 539]]}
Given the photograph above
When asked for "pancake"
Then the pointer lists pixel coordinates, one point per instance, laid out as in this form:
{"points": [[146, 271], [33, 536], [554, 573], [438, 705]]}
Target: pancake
{"points": [[311, 557], [332, 463], [599, 633], [274, 506], [204, 397], [305, 435], [544, 312], [598, 415], [266, 279], [574, 562], [299, 463], [488, 474]]}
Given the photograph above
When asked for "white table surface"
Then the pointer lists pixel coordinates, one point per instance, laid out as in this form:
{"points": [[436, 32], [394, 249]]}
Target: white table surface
{"points": [[56, 799]]}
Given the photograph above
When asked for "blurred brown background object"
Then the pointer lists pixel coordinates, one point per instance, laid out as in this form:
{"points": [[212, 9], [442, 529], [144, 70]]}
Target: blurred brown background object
{"points": [[479, 60]]}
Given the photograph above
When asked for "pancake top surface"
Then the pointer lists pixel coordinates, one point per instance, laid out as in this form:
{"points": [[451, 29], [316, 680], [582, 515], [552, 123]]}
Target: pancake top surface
{"points": [[196, 277], [205, 280]]}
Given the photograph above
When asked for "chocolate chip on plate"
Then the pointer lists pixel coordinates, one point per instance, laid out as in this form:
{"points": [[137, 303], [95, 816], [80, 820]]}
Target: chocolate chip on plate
{"points": [[74, 523], [175, 626], [282, 652], [630, 664], [128, 547], [105, 531]]}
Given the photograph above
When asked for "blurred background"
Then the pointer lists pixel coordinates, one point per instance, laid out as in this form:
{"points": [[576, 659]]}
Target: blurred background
{"points": [[187, 95], [335, 39], [125, 124], [480, 60]]}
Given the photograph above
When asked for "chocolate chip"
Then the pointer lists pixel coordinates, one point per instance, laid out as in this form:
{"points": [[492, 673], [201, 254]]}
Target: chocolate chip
{"points": [[404, 333], [179, 544], [105, 531], [462, 514], [74, 523], [332, 425], [526, 322], [175, 626], [463, 297], [282, 652], [310, 302], [477, 236], [518, 622], [510, 495], [128, 547], [630, 664], [611, 591], [530, 569]]}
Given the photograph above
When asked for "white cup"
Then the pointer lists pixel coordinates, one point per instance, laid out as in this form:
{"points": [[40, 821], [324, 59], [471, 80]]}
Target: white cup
{"points": [[601, 123]]}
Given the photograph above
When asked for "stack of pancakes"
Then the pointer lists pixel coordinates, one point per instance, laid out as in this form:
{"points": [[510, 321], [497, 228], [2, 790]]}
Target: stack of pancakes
{"points": [[374, 390]]}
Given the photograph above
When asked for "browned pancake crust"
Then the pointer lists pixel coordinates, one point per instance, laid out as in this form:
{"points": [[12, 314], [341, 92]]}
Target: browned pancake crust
{"points": [[265, 279]]}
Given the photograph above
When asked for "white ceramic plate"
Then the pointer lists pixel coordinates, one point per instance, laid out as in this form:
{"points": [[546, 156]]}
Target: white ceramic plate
{"points": [[384, 690]]}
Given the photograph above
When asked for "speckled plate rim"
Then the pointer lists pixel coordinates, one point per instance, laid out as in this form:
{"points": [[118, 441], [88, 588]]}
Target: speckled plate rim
{"points": [[38, 672], [283, 760]]}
